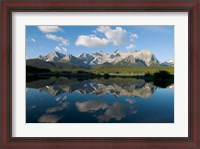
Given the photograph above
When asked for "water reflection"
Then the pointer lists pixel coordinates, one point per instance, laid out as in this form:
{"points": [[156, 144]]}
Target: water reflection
{"points": [[64, 100], [99, 87], [115, 110]]}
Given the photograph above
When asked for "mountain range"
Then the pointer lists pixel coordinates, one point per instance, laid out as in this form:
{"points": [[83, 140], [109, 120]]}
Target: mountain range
{"points": [[142, 58]]}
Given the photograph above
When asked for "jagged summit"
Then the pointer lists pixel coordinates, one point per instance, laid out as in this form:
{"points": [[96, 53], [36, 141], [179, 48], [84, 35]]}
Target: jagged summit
{"points": [[168, 62], [117, 51], [52, 57], [144, 57]]}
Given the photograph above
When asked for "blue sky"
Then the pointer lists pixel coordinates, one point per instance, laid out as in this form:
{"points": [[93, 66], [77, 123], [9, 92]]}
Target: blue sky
{"points": [[42, 40]]}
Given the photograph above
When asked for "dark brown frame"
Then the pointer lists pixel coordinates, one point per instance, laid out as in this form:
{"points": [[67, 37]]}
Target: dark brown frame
{"points": [[9, 6]]}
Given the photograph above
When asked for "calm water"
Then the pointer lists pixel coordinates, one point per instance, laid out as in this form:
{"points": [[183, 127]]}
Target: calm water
{"points": [[115, 100]]}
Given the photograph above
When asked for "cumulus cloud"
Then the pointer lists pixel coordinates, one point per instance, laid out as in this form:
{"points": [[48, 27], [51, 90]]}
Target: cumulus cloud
{"points": [[57, 38], [103, 29], [117, 36], [49, 29], [134, 36], [131, 46], [91, 41]]}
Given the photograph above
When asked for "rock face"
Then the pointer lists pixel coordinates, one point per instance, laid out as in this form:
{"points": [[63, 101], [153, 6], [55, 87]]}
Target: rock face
{"points": [[146, 57], [140, 58], [52, 57], [72, 59]]}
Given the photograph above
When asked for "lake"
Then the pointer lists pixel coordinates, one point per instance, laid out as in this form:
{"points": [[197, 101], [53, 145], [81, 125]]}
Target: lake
{"points": [[113, 100]]}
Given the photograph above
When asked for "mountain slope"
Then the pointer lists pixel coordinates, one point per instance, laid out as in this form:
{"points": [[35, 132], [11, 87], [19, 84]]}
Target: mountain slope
{"points": [[74, 60], [168, 63], [57, 60], [39, 63], [51, 65], [52, 57], [131, 61], [100, 57]]}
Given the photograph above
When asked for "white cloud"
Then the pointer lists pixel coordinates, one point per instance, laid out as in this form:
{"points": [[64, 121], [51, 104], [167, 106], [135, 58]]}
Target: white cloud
{"points": [[64, 49], [33, 40], [131, 46], [117, 36], [49, 29], [103, 29], [60, 48], [57, 38], [91, 41], [134, 36]]}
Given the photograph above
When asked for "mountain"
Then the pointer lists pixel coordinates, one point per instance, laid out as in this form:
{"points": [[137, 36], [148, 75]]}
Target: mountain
{"points": [[145, 56], [168, 63], [52, 57], [51, 65], [74, 60], [57, 60], [131, 61], [39, 63]]}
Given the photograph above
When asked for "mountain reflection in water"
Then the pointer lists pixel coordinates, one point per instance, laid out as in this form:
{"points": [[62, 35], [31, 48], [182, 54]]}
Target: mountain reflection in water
{"points": [[114, 100]]}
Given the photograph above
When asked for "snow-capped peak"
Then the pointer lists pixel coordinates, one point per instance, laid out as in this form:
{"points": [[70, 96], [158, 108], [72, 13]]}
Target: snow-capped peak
{"points": [[52, 57], [145, 56], [168, 62]]}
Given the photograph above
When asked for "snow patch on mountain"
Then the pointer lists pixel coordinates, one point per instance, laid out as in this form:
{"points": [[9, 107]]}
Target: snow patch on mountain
{"points": [[52, 57], [144, 56], [168, 63]]}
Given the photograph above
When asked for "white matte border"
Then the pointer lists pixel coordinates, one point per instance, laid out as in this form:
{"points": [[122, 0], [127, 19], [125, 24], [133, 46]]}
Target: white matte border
{"points": [[177, 129]]}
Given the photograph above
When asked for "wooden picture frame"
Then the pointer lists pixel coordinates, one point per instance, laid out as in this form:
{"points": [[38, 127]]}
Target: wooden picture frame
{"points": [[9, 6]]}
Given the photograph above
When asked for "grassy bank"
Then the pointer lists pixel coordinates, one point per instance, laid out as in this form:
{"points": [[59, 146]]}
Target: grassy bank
{"points": [[131, 70], [119, 70]]}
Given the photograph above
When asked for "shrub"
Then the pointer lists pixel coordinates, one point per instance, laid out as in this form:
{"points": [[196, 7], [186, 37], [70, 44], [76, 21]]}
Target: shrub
{"points": [[31, 69]]}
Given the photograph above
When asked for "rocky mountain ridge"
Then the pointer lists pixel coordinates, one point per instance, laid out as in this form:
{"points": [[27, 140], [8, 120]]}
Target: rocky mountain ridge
{"points": [[136, 58]]}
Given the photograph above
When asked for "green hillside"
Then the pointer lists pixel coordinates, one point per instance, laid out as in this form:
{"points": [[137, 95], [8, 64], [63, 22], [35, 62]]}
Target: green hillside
{"points": [[51, 65]]}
